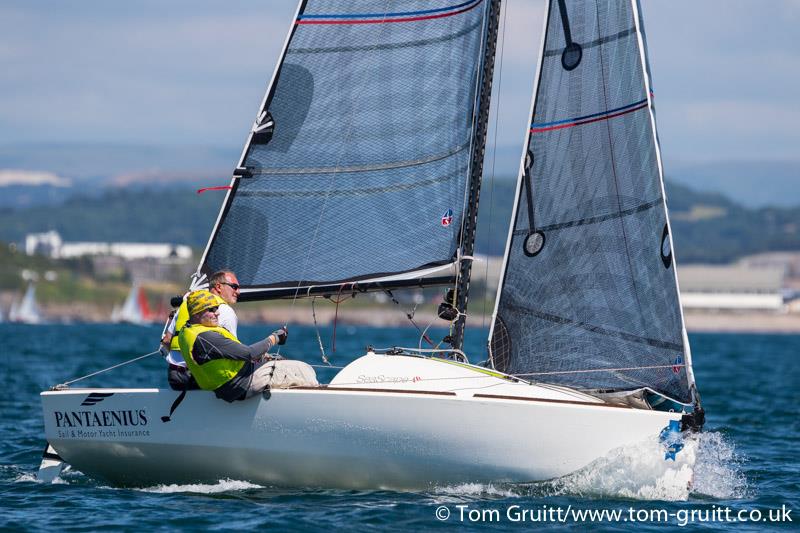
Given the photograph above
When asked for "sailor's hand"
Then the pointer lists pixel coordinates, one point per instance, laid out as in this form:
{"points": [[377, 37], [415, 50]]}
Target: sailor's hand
{"points": [[163, 349], [280, 336]]}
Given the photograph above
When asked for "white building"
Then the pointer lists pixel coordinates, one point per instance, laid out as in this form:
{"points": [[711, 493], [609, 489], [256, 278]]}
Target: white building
{"points": [[731, 288], [51, 245]]}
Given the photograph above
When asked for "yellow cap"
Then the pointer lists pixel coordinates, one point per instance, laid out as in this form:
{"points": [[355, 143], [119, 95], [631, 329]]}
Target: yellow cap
{"points": [[199, 301]]}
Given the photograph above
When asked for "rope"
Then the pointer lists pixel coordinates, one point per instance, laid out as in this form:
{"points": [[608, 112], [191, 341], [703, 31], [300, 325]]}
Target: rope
{"points": [[598, 370], [319, 337], [337, 301], [68, 383], [410, 317]]}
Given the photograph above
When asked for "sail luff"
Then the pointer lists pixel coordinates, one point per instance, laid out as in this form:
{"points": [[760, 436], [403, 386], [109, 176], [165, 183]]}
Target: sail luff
{"points": [[478, 149], [226, 202], [520, 177], [687, 351]]}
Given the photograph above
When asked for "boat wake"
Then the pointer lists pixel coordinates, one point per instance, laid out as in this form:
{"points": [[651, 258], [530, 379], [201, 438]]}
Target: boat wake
{"points": [[223, 485], [469, 491], [638, 471], [31, 478], [718, 471], [707, 466]]}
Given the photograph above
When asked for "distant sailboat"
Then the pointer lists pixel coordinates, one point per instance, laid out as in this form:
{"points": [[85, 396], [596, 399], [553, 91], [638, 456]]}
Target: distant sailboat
{"points": [[135, 310], [27, 310]]}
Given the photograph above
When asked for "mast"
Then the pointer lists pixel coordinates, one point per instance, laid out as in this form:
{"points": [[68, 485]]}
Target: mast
{"points": [[474, 188]]}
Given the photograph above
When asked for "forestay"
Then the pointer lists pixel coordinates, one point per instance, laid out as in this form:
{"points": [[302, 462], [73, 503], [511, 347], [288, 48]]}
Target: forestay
{"points": [[357, 165], [589, 294]]}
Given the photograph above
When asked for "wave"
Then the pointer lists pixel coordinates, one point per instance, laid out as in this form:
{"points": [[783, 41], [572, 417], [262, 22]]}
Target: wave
{"points": [[223, 485], [707, 466]]}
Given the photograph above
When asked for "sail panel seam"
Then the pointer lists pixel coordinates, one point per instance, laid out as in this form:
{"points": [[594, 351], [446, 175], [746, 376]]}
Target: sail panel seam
{"points": [[589, 119], [382, 18], [630, 337], [596, 219], [361, 168], [394, 46], [353, 192], [595, 43]]}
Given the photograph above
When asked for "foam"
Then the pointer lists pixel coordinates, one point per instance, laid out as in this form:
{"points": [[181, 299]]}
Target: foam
{"points": [[223, 485], [31, 478], [464, 491], [707, 466], [638, 471], [718, 469]]}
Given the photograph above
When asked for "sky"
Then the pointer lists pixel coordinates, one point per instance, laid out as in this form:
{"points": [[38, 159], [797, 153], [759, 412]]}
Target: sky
{"points": [[193, 72]]}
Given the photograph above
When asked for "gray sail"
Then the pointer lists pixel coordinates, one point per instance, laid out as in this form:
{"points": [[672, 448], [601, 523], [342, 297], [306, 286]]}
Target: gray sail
{"points": [[589, 295], [357, 165]]}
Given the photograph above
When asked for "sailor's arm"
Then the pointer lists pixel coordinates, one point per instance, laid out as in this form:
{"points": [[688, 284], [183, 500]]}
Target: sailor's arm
{"points": [[212, 345]]}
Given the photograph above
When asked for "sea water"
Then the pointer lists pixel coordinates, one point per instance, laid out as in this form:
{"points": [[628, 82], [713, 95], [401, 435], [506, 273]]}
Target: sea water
{"points": [[742, 473]]}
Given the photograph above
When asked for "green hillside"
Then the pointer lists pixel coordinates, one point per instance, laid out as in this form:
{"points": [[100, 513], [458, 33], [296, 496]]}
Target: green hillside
{"points": [[179, 216], [707, 227]]}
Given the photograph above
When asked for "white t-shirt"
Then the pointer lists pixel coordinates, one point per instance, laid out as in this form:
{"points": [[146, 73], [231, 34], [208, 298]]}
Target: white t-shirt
{"points": [[227, 320]]}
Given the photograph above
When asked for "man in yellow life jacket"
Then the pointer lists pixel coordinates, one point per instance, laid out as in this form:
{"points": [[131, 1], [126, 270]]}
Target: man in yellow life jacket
{"points": [[225, 286], [234, 371]]}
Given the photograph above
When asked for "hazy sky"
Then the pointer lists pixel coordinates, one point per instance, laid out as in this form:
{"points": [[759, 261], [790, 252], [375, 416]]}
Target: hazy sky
{"points": [[726, 72]]}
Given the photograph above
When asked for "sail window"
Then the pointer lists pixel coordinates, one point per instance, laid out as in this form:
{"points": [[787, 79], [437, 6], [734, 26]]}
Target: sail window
{"points": [[534, 243], [666, 249], [571, 57]]}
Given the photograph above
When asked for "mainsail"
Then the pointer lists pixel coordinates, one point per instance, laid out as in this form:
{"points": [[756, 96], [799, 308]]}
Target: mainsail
{"points": [[589, 295], [357, 168]]}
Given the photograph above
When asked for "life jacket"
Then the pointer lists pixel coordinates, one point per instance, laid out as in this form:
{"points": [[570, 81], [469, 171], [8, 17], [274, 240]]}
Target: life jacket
{"points": [[212, 374], [182, 319]]}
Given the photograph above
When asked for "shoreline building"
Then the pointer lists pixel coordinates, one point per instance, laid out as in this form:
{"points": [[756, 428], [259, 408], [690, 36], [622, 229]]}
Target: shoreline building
{"points": [[731, 288], [141, 260]]}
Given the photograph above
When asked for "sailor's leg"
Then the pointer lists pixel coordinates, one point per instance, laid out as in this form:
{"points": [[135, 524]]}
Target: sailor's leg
{"points": [[282, 374], [290, 373]]}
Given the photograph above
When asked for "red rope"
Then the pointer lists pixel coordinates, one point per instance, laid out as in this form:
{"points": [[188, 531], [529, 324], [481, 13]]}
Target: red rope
{"points": [[219, 188]]}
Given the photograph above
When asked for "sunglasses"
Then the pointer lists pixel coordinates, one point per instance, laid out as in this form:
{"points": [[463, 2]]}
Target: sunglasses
{"points": [[212, 309], [234, 286]]}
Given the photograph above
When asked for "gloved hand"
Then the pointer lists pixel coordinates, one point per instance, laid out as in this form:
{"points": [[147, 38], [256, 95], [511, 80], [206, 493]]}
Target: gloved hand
{"points": [[163, 349], [280, 336]]}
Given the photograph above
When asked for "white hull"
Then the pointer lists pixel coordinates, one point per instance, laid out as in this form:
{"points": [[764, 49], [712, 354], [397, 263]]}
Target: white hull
{"points": [[387, 434]]}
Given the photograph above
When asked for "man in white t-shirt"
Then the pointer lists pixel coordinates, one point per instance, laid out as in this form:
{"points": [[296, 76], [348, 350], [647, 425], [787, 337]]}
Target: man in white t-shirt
{"points": [[225, 285], [222, 284]]}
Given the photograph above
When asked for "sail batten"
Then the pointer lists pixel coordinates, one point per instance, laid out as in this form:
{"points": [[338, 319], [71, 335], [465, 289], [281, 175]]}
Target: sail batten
{"points": [[357, 164], [589, 279]]}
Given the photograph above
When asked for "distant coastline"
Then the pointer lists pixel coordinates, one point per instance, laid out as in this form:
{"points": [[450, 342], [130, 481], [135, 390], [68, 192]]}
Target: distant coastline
{"points": [[375, 316]]}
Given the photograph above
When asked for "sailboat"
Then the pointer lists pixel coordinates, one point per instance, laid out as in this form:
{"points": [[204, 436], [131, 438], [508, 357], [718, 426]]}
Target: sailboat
{"points": [[27, 310], [362, 173], [135, 309]]}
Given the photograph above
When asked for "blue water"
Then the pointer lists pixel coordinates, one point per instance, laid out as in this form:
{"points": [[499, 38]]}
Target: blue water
{"points": [[747, 459]]}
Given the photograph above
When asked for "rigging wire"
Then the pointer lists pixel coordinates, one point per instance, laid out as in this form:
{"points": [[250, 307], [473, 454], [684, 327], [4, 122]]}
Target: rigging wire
{"points": [[473, 126], [68, 383], [410, 317], [494, 155]]}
